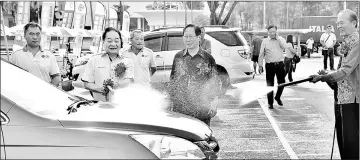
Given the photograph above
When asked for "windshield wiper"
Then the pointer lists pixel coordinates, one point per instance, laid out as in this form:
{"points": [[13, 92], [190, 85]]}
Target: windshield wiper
{"points": [[78, 103]]}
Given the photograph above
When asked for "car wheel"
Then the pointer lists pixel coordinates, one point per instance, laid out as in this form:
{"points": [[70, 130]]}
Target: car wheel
{"points": [[225, 82]]}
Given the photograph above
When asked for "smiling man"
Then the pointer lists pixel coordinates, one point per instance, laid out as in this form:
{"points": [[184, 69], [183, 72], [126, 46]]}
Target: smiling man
{"points": [[33, 58], [144, 62], [101, 67], [347, 78]]}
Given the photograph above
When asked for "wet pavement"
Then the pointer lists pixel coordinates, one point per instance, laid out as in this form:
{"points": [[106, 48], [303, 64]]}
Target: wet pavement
{"points": [[298, 130]]}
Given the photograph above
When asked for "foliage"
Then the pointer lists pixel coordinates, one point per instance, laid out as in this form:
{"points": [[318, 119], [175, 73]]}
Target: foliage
{"points": [[202, 20]]}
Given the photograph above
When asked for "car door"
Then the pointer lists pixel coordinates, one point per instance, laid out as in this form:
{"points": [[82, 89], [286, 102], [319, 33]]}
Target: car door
{"points": [[156, 44]]}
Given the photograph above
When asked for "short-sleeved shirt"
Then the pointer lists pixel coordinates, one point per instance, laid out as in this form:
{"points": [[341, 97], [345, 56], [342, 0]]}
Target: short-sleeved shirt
{"points": [[328, 41], [142, 63], [310, 43], [42, 65], [193, 82], [257, 45], [100, 68], [206, 45]]}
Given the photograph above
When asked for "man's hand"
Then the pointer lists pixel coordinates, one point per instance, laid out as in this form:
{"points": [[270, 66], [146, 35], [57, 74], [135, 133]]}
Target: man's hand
{"points": [[322, 72], [315, 78], [261, 70]]}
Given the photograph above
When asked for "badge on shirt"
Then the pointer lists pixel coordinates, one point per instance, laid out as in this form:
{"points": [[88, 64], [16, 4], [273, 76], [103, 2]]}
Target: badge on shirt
{"points": [[44, 56], [144, 54]]}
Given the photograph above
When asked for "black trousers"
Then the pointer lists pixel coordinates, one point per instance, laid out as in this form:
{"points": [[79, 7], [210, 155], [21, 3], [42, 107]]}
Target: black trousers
{"points": [[347, 130], [328, 53], [288, 68], [273, 69], [309, 51]]}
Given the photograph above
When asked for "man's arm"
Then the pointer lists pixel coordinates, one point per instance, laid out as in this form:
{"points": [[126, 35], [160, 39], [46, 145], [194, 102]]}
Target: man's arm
{"points": [[282, 42], [352, 61], [54, 72], [89, 78], [152, 64], [322, 41], [173, 71], [262, 53]]}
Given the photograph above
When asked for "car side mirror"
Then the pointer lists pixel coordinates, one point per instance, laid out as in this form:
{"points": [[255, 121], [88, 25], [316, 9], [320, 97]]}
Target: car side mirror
{"points": [[4, 118]]}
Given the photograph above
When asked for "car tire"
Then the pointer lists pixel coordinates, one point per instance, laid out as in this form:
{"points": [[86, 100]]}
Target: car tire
{"points": [[225, 82]]}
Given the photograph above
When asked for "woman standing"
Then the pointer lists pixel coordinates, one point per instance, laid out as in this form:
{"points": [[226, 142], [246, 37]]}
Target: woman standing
{"points": [[289, 55]]}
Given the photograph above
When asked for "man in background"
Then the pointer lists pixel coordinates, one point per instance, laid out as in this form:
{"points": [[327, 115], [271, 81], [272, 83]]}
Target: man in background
{"points": [[255, 49], [328, 40], [204, 43], [310, 46]]}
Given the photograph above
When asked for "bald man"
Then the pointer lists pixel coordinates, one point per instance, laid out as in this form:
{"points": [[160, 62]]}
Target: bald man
{"points": [[347, 78]]}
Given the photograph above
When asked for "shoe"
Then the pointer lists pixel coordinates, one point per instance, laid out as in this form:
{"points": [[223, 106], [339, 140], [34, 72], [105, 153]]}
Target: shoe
{"points": [[278, 100], [332, 69], [271, 106], [232, 87]]}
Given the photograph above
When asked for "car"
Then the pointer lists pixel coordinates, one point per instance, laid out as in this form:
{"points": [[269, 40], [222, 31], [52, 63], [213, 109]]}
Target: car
{"points": [[40, 121], [229, 48]]}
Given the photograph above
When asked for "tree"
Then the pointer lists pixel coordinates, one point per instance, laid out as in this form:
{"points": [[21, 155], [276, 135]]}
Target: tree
{"points": [[216, 19], [10, 7], [120, 13], [195, 5], [202, 20]]}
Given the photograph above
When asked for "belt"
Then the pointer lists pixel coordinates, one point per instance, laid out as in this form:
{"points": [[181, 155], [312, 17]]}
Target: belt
{"points": [[276, 63]]}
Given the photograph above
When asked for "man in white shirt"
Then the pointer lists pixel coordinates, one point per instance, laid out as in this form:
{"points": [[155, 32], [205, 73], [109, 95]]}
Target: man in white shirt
{"points": [[144, 62], [328, 40], [309, 44], [34, 59]]}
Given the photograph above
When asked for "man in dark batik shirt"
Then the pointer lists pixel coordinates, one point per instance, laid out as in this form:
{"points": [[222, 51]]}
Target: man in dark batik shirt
{"points": [[194, 82]]}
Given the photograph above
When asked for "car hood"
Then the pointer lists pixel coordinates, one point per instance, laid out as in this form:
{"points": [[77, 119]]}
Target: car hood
{"points": [[110, 116]]}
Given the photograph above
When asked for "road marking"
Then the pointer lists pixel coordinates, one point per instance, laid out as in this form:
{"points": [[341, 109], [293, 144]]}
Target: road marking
{"points": [[278, 132]]}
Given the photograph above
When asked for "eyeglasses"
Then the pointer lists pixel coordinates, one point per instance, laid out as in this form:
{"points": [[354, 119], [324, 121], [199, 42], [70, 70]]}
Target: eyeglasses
{"points": [[33, 34], [189, 37]]}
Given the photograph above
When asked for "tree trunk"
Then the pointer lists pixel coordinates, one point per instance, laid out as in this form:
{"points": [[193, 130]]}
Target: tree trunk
{"points": [[229, 13], [212, 6], [120, 15], [222, 11]]}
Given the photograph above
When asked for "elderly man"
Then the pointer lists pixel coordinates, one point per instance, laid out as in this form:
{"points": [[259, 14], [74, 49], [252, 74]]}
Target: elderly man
{"points": [[143, 58], [347, 78], [272, 49], [33, 58]]}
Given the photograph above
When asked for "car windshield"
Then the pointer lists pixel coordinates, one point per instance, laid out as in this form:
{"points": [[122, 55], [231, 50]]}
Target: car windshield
{"points": [[229, 38], [32, 93], [154, 44]]}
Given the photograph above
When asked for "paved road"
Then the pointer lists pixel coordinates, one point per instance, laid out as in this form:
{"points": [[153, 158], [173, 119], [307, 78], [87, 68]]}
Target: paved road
{"points": [[302, 128]]}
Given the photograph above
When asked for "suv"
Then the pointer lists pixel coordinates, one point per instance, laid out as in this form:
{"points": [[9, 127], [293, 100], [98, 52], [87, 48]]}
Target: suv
{"points": [[230, 50]]}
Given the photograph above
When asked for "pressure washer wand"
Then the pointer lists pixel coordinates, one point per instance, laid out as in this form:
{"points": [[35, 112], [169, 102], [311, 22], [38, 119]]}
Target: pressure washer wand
{"points": [[295, 82]]}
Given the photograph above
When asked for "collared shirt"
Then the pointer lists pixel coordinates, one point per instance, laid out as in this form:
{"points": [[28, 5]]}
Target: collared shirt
{"points": [[100, 68], [328, 41], [42, 65], [194, 82], [272, 50], [257, 45], [206, 45], [348, 76], [142, 63]]}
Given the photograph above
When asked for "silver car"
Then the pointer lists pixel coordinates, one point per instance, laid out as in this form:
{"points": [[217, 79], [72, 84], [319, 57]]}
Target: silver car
{"points": [[39, 121]]}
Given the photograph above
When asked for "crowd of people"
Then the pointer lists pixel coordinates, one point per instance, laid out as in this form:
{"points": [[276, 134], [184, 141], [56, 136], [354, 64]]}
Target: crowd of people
{"points": [[194, 82]]}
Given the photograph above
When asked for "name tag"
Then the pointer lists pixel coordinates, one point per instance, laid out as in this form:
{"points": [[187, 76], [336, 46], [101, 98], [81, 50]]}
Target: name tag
{"points": [[101, 67]]}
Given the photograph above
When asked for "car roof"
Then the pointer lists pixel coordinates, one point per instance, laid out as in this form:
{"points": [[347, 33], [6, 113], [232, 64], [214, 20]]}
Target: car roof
{"points": [[179, 30]]}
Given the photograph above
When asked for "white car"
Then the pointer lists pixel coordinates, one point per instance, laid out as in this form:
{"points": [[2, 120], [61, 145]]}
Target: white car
{"points": [[229, 48]]}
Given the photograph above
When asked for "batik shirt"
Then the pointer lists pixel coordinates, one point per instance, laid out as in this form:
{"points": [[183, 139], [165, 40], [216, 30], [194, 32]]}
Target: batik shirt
{"points": [[194, 83], [348, 75]]}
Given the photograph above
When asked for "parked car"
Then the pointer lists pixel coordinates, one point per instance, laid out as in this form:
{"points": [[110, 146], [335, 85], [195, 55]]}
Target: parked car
{"points": [[229, 48], [39, 121]]}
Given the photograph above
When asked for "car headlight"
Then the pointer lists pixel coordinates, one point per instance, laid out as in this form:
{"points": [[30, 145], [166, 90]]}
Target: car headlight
{"points": [[167, 147]]}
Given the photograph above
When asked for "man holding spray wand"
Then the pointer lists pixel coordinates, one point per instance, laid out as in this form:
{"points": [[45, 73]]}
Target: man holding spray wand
{"points": [[347, 78]]}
